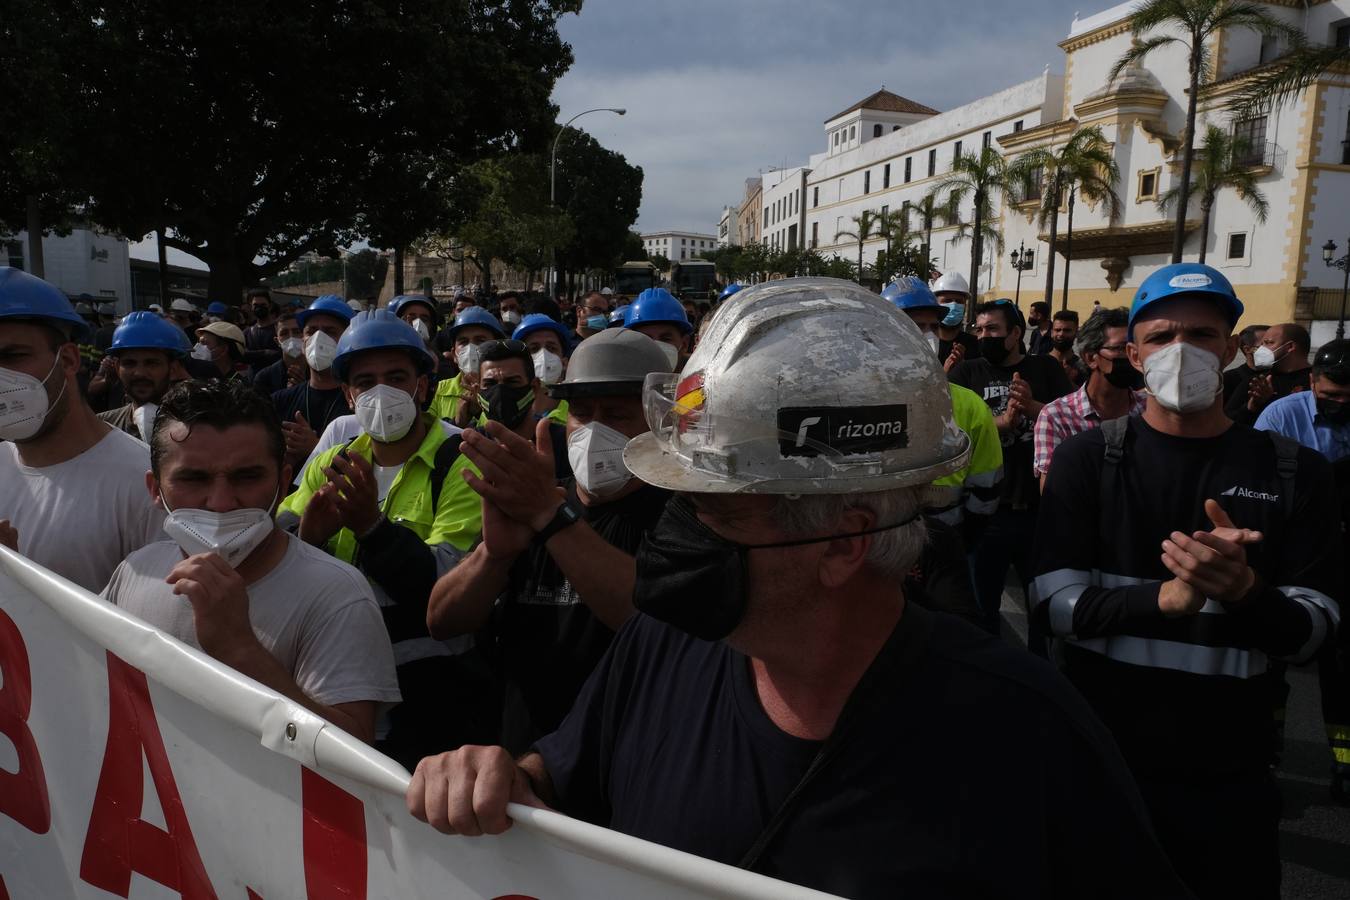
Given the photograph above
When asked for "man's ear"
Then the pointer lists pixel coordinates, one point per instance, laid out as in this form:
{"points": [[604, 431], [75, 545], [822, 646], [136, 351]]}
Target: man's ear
{"points": [[843, 558], [1230, 350]]}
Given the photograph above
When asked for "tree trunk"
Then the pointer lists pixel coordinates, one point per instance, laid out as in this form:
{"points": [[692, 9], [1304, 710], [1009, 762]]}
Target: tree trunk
{"points": [[860, 246], [36, 264], [1206, 207], [163, 253], [398, 271], [1054, 239], [1068, 251], [227, 282], [976, 251], [1188, 154]]}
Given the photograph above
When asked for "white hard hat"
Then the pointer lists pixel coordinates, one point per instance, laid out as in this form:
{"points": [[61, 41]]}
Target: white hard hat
{"points": [[608, 292], [181, 305], [155, 307], [952, 282], [801, 386], [356, 305]]}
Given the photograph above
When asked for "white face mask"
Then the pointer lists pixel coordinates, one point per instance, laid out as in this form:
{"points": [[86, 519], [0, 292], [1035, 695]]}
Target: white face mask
{"points": [[1183, 377], [596, 453], [672, 354], [294, 348], [548, 368], [201, 351], [320, 350], [386, 413], [932, 339], [510, 317], [23, 403], [468, 358], [231, 535], [144, 417], [420, 326], [1264, 358]]}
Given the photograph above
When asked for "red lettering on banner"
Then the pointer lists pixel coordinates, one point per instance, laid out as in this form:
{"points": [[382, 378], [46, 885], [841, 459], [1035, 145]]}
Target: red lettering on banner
{"points": [[119, 841], [23, 794], [334, 840]]}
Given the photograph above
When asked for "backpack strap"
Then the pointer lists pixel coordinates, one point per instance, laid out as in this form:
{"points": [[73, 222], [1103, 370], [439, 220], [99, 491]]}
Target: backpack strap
{"points": [[1286, 467], [446, 455]]}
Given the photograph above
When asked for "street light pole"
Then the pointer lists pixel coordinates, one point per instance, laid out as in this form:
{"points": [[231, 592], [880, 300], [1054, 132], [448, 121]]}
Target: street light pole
{"points": [[553, 182], [1021, 261], [1328, 257]]}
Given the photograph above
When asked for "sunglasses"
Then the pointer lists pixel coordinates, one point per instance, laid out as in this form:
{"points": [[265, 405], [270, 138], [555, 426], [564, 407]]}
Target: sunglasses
{"points": [[510, 345]]}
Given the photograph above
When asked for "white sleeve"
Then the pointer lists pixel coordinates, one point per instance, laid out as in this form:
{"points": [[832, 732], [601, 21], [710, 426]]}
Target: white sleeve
{"points": [[339, 431], [348, 657]]}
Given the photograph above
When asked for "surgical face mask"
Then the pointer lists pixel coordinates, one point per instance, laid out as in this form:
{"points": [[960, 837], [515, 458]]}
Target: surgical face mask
{"points": [[320, 351], [1122, 374], [386, 413], [1183, 377], [596, 453], [510, 317], [994, 349], [548, 367], [293, 348], [232, 535], [23, 403], [672, 354], [691, 577], [597, 323], [423, 330], [932, 340], [1336, 412], [1264, 358], [507, 403], [956, 314], [468, 357], [201, 352]]}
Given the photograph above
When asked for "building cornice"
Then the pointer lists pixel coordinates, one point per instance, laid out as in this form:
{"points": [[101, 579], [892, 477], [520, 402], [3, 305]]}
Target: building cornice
{"points": [[1048, 131], [1152, 101], [1096, 36]]}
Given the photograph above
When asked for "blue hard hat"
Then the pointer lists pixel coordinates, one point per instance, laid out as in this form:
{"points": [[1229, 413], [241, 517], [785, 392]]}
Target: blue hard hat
{"points": [[216, 308], [380, 330], [910, 293], [540, 322], [619, 318], [728, 291], [144, 330], [476, 315], [657, 305], [1186, 279], [328, 304], [397, 305], [24, 296]]}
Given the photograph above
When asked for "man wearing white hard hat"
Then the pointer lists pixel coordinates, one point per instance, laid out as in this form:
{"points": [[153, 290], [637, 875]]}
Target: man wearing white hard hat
{"points": [[782, 705], [954, 343]]}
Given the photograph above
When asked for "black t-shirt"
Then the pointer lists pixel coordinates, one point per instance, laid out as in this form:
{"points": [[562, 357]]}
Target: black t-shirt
{"points": [[971, 770], [271, 379], [547, 639], [1048, 382], [1283, 384], [1187, 697], [965, 340], [319, 407]]}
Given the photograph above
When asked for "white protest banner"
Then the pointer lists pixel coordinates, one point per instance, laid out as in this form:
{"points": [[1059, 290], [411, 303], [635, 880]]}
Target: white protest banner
{"points": [[134, 766]]}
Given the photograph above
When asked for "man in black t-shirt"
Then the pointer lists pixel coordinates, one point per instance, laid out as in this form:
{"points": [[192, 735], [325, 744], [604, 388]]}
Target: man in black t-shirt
{"points": [[552, 579], [780, 703], [1177, 554], [1279, 368], [1015, 385]]}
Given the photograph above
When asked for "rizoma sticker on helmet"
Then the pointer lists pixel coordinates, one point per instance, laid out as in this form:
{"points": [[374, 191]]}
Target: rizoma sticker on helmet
{"points": [[808, 430], [1190, 280]]}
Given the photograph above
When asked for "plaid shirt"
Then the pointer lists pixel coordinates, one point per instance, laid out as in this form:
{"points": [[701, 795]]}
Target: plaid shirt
{"points": [[1063, 418]]}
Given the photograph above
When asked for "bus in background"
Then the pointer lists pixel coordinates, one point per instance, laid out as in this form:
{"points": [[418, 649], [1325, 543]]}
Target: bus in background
{"points": [[695, 279], [632, 278]]}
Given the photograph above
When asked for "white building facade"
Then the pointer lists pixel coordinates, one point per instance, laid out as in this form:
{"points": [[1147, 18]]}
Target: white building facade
{"points": [[783, 200], [729, 226], [82, 262], [678, 246]]}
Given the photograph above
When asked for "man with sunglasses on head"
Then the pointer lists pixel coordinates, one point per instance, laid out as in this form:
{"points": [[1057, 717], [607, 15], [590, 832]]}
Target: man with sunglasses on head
{"points": [[1015, 386]]}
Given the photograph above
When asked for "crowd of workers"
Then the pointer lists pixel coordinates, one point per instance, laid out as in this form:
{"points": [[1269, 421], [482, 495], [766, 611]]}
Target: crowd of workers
{"points": [[728, 576]]}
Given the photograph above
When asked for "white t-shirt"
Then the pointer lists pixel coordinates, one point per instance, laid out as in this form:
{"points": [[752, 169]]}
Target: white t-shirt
{"points": [[314, 614], [344, 430], [82, 517]]}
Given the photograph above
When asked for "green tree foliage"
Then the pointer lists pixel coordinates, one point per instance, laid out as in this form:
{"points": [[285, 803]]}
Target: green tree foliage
{"points": [[1288, 76], [1193, 24], [264, 130], [1222, 163], [600, 194], [633, 248], [981, 180], [867, 226]]}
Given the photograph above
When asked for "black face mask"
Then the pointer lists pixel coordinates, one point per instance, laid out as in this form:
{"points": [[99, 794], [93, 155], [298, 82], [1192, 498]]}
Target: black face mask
{"points": [[1123, 375], [691, 577], [507, 403], [1062, 346], [1336, 412], [994, 350]]}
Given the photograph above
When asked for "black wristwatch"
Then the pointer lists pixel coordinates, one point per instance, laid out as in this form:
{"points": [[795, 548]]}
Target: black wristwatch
{"points": [[567, 515]]}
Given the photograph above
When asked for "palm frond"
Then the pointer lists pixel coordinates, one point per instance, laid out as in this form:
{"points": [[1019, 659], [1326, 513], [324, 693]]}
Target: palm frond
{"points": [[1288, 76]]}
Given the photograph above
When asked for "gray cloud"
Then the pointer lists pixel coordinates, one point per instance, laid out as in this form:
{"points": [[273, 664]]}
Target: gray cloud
{"points": [[717, 91]]}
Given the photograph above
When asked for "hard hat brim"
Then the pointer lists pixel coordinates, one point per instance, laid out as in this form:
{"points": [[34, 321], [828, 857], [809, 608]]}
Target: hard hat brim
{"points": [[568, 390]]}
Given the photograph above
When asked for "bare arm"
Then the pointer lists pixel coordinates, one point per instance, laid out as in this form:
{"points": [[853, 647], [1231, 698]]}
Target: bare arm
{"points": [[462, 598], [356, 718]]}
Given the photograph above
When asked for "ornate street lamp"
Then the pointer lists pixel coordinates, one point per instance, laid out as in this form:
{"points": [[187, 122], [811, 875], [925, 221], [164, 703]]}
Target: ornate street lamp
{"points": [[1329, 257], [1022, 260]]}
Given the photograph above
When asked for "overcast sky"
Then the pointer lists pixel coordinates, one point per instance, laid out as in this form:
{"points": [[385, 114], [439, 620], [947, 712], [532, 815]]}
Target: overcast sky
{"points": [[717, 90]]}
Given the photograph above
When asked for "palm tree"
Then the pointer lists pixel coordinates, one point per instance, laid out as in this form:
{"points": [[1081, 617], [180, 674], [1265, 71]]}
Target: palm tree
{"points": [[1084, 166], [1198, 21], [983, 179], [865, 228], [1288, 76], [893, 224], [1223, 163]]}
